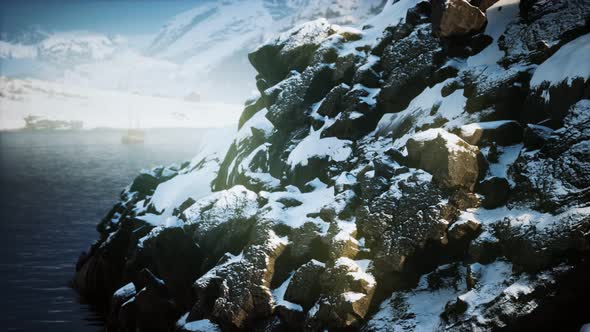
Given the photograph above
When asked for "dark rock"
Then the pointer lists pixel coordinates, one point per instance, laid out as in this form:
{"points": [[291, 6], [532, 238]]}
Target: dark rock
{"points": [[535, 136], [155, 311], [483, 5], [235, 293], [463, 200], [177, 271], [499, 132], [408, 64], [556, 177], [331, 105], [496, 191], [403, 219], [547, 25], [274, 60], [469, 229], [347, 298], [304, 288]]}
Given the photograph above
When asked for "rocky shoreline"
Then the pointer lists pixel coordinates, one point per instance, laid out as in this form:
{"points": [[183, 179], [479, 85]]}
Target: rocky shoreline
{"points": [[430, 171]]}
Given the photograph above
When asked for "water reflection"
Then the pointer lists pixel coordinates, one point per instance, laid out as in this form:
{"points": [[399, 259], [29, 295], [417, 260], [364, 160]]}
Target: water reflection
{"points": [[54, 188]]}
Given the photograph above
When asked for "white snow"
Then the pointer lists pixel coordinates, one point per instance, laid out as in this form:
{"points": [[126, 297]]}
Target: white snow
{"points": [[224, 204], [357, 269], [418, 112], [371, 98], [278, 295], [470, 129], [352, 296], [296, 216], [203, 325], [568, 63], [175, 191], [195, 184], [491, 282], [315, 146], [125, 291], [517, 289], [499, 15], [257, 121], [507, 155], [521, 217], [424, 302], [453, 142], [392, 14]]}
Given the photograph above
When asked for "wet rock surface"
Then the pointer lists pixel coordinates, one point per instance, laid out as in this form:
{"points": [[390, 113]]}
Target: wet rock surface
{"points": [[412, 175]]}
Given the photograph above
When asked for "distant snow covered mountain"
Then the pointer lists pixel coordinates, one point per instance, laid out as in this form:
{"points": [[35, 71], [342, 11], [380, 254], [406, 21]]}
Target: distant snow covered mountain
{"points": [[228, 26], [64, 48], [211, 41], [202, 51]]}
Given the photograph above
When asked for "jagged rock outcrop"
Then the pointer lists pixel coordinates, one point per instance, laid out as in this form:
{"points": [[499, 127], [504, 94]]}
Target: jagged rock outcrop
{"points": [[427, 172], [453, 162]]}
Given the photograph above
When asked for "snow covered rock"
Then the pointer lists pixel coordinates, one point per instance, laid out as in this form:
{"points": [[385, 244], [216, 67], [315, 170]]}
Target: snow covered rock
{"points": [[504, 132], [236, 291], [292, 50], [378, 162], [348, 289], [456, 18], [496, 191], [535, 136], [556, 177], [403, 219], [453, 162]]}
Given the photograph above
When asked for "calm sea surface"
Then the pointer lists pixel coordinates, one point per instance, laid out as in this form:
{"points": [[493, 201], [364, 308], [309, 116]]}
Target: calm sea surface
{"points": [[54, 188]]}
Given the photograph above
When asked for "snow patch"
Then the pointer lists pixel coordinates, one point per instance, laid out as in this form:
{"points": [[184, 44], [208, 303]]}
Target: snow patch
{"points": [[568, 63], [314, 146]]}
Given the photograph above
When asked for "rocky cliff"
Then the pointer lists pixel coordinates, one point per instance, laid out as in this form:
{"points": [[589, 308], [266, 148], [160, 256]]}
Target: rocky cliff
{"points": [[427, 171]]}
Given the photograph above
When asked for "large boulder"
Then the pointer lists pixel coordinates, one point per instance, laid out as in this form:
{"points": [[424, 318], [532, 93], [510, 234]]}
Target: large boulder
{"points": [[495, 190], [403, 220], [292, 50], [348, 289], [452, 18], [535, 136], [304, 288], [452, 162], [236, 292]]}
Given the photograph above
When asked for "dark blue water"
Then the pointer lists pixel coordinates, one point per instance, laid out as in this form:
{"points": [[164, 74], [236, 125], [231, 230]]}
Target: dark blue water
{"points": [[54, 188]]}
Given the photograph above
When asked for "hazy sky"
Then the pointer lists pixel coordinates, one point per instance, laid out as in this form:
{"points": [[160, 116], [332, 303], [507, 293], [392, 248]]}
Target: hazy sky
{"points": [[126, 17]]}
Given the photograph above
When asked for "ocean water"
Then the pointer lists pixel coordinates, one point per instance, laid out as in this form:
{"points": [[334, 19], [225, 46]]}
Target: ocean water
{"points": [[54, 188]]}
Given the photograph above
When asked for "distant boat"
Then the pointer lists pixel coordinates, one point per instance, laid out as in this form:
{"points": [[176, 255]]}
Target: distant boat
{"points": [[133, 136]]}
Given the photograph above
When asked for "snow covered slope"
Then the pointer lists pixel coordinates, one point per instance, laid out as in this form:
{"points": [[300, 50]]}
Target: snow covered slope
{"points": [[225, 27], [385, 179], [211, 41]]}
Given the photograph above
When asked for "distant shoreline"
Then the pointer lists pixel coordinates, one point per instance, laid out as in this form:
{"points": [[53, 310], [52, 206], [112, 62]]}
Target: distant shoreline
{"points": [[28, 130]]}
